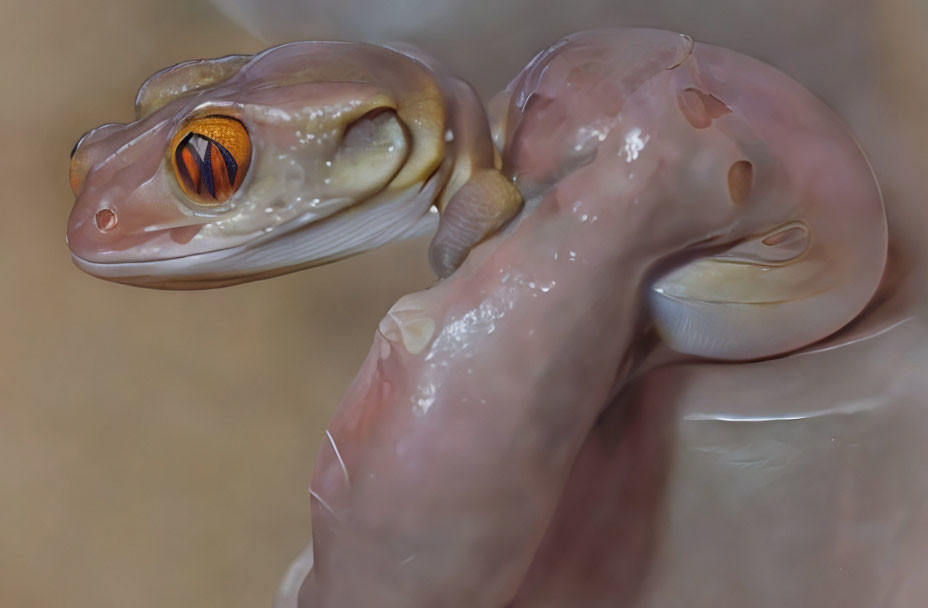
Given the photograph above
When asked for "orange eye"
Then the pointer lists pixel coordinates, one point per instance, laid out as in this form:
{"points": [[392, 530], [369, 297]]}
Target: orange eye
{"points": [[210, 158]]}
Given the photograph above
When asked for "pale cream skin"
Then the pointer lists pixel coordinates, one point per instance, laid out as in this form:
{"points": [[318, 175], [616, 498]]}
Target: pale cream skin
{"points": [[353, 146], [511, 439], [465, 468]]}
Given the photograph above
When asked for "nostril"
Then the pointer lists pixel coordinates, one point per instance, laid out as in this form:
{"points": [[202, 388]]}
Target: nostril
{"points": [[106, 219]]}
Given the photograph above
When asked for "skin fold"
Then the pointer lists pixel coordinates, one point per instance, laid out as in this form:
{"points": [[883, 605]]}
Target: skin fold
{"points": [[611, 495], [349, 146]]}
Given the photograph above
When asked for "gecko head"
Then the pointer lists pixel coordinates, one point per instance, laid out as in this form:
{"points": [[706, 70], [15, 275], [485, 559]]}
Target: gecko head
{"points": [[244, 167]]}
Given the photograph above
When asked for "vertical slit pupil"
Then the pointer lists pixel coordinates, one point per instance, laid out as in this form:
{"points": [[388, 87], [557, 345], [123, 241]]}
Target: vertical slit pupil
{"points": [[206, 170], [193, 159]]}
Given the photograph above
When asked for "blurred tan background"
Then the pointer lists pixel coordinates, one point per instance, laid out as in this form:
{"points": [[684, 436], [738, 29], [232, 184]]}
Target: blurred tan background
{"points": [[156, 447]]}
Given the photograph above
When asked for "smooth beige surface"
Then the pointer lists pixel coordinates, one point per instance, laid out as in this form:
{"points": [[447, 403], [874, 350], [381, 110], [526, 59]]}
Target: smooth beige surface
{"points": [[155, 448]]}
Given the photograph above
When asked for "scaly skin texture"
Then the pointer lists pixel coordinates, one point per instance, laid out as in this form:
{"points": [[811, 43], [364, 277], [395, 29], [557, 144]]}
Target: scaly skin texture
{"points": [[465, 468], [351, 146]]}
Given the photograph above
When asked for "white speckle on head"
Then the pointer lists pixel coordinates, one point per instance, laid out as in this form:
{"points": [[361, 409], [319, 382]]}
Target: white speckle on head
{"points": [[277, 114], [634, 144]]}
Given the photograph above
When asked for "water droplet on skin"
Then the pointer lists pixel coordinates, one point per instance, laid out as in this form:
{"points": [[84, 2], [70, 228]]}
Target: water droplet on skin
{"points": [[425, 398], [634, 144]]}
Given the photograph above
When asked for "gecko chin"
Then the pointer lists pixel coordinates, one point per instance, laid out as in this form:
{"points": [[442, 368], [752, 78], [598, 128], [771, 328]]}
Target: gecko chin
{"points": [[298, 245], [200, 271]]}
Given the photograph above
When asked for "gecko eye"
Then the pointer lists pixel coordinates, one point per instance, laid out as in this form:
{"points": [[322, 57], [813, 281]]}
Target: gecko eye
{"points": [[210, 156]]}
